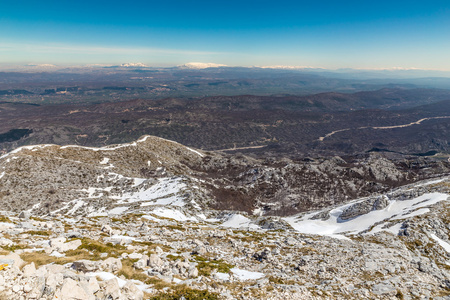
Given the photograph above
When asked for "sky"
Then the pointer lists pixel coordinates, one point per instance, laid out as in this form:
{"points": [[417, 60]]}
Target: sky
{"points": [[325, 34]]}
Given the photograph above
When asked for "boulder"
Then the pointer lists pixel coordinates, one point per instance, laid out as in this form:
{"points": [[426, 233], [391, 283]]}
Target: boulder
{"points": [[155, 261], [29, 270], [85, 265], [71, 290], [111, 264], [112, 289], [131, 292]]}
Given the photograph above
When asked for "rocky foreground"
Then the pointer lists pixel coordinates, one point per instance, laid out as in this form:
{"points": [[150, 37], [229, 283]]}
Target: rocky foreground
{"points": [[142, 221], [147, 256]]}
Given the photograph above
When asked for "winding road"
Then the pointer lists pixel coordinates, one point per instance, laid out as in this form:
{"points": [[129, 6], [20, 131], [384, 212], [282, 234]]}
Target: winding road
{"points": [[381, 127]]}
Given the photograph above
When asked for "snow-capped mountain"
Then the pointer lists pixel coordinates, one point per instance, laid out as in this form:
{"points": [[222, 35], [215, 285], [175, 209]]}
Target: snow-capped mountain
{"points": [[200, 65], [134, 65]]}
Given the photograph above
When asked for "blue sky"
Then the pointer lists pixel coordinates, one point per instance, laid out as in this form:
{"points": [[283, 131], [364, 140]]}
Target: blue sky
{"points": [[327, 34]]}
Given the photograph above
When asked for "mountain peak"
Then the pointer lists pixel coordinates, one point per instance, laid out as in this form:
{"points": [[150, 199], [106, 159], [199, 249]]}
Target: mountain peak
{"points": [[200, 65]]}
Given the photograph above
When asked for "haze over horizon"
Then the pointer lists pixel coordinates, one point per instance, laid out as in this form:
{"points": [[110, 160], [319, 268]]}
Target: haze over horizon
{"points": [[330, 34]]}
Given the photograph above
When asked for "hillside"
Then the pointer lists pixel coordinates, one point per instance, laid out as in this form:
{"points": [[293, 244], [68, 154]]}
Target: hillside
{"points": [[266, 126], [154, 219]]}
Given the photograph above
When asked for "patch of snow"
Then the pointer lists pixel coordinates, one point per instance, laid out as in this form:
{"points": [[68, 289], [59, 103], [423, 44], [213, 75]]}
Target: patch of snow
{"points": [[246, 275], [123, 237], [173, 200], [151, 218], [77, 205], [195, 151], [3, 174], [394, 211], [91, 191], [434, 181], [57, 254], [107, 276], [172, 214], [441, 242], [138, 181], [394, 229], [239, 221], [176, 280], [165, 187], [117, 210], [222, 276], [104, 161], [412, 213]]}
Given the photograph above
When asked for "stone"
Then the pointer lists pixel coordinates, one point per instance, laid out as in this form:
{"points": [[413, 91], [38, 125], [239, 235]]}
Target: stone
{"points": [[93, 285], [193, 272], [131, 292], [17, 288], [72, 245], [74, 234], [53, 280], [12, 260], [135, 255], [382, 288], [141, 263], [71, 290], [111, 264], [112, 289], [200, 250], [25, 215], [107, 229], [85, 265], [29, 270], [5, 242], [155, 261], [27, 288]]}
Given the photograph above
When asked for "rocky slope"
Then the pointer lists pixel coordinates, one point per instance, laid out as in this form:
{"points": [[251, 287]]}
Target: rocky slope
{"points": [[142, 175], [154, 219], [165, 255]]}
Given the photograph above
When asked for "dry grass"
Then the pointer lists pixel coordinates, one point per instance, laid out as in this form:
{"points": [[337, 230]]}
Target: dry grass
{"points": [[41, 258], [89, 249], [5, 219], [184, 292], [206, 267], [129, 272], [36, 232], [97, 247], [157, 283]]}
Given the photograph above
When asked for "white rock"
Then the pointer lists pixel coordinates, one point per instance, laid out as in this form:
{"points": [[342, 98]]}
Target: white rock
{"points": [[111, 264], [71, 290], [135, 255], [72, 245], [29, 270], [131, 292], [17, 288], [93, 285], [155, 261], [53, 280], [85, 265], [27, 288], [112, 289]]}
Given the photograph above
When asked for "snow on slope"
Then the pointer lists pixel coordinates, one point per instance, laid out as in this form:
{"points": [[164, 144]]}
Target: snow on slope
{"points": [[443, 244], [239, 221], [396, 210], [162, 193]]}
